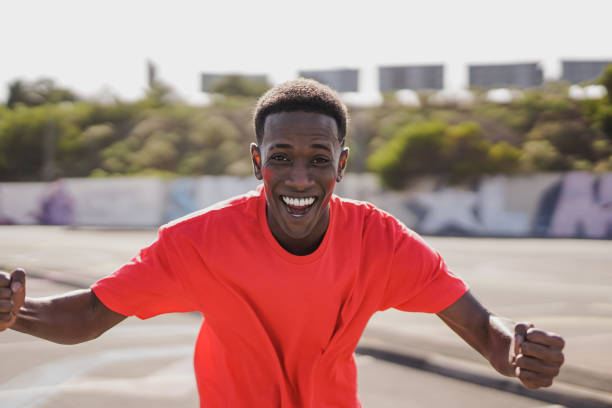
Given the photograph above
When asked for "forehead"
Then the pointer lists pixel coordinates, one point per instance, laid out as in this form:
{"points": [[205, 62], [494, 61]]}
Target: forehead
{"points": [[302, 125]]}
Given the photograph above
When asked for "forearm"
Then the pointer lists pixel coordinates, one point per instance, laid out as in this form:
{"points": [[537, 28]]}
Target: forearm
{"points": [[490, 335], [500, 332], [71, 318]]}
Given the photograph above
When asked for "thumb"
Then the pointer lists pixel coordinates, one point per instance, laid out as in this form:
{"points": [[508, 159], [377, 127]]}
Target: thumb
{"points": [[520, 335], [18, 285]]}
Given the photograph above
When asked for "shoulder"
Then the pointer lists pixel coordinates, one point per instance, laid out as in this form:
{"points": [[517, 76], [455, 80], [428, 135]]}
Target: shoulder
{"points": [[372, 216], [233, 210]]}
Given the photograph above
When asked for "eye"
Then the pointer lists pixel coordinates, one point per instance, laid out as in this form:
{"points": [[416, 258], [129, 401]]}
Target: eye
{"points": [[279, 158], [320, 160]]}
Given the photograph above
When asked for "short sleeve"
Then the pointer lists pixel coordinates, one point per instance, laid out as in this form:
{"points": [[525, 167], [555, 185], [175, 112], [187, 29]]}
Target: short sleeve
{"points": [[419, 280], [146, 286]]}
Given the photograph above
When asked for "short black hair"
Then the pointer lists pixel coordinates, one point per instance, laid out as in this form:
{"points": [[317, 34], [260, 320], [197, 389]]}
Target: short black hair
{"points": [[305, 95]]}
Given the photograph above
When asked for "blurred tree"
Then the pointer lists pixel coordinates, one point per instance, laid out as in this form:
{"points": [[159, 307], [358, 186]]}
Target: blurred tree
{"points": [[503, 158], [37, 93], [34, 142], [569, 137], [465, 151], [157, 152], [606, 81], [413, 151], [236, 85], [543, 131], [603, 165], [215, 143], [541, 155], [159, 94]]}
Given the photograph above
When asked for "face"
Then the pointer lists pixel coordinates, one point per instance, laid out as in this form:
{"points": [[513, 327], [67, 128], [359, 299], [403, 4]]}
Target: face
{"points": [[299, 160]]}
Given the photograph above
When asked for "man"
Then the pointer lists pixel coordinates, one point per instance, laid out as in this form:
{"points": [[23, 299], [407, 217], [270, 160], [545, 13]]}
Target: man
{"points": [[286, 277]]}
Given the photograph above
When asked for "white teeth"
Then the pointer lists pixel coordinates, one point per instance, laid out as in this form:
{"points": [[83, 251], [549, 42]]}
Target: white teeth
{"points": [[298, 202]]}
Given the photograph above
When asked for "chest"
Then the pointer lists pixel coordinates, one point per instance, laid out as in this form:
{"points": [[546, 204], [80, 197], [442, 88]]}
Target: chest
{"points": [[291, 302]]}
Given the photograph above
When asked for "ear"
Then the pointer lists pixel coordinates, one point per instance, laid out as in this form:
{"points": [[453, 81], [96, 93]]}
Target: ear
{"points": [[342, 164], [256, 158]]}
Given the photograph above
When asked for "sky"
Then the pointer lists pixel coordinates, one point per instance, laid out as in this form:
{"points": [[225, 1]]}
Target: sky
{"points": [[99, 48]]}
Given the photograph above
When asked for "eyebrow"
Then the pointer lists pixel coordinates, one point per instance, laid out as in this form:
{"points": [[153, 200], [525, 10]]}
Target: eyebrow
{"points": [[321, 146], [281, 146], [288, 146]]}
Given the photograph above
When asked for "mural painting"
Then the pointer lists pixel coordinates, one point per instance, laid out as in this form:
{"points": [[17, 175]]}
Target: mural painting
{"points": [[575, 204], [36, 203], [583, 207]]}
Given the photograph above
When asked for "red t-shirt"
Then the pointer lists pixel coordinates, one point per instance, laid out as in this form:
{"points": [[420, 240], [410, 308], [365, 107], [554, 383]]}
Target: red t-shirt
{"points": [[280, 329]]}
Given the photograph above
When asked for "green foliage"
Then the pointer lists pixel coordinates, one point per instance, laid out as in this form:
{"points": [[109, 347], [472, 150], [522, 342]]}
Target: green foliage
{"points": [[541, 155], [29, 135], [509, 116], [503, 158], [603, 165], [465, 151], [236, 85], [412, 149], [460, 153], [83, 139], [389, 123], [603, 118], [569, 137], [159, 95], [45, 133], [37, 93], [606, 81], [602, 148]]}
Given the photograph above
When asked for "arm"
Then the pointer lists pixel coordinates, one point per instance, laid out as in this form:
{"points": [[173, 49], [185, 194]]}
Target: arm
{"points": [[532, 355], [70, 318]]}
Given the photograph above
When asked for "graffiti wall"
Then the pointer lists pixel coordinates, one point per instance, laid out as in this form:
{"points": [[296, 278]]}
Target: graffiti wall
{"points": [[576, 204], [569, 205]]}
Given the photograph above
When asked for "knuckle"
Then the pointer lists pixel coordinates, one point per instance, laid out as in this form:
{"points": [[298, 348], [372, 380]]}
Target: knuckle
{"points": [[527, 347], [561, 343], [561, 358]]}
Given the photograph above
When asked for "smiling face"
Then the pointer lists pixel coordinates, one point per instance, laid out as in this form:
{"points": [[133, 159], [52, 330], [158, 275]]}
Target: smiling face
{"points": [[299, 159]]}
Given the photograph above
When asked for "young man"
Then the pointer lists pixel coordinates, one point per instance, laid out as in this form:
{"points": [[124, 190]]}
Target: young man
{"points": [[286, 277]]}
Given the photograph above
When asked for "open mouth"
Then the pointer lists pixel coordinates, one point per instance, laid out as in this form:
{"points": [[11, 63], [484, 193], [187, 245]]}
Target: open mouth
{"points": [[298, 206]]}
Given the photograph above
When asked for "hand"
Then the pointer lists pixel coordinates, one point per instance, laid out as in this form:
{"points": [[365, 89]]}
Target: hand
{"points": [[12, 297], [537, 355]]}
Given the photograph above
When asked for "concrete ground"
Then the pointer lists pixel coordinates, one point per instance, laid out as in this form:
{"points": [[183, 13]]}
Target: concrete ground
{"points": [[563, 286]]}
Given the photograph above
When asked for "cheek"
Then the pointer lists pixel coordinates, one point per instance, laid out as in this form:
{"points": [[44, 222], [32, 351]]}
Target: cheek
{"points": [[267, 175], [330, 190]]}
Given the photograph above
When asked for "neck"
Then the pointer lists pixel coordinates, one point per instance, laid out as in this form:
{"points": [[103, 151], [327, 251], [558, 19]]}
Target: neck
{"points": [[299, 246]]}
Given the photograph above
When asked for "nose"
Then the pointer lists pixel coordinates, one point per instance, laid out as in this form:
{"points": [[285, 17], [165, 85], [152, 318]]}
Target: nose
{"points": [[299, 178]]}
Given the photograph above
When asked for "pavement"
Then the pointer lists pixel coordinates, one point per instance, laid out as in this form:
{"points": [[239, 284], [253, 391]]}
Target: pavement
{"points": [[563, 286]]}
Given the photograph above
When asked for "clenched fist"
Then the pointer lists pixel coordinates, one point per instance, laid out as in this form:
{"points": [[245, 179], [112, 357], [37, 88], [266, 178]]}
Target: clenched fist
{"points": [[12, 297], [538, 355]]}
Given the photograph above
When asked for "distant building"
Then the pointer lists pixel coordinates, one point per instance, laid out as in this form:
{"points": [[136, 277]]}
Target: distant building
{"points": [[580, 71], [342, 80], [502, 75], [413, 77], [207, 80]]}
